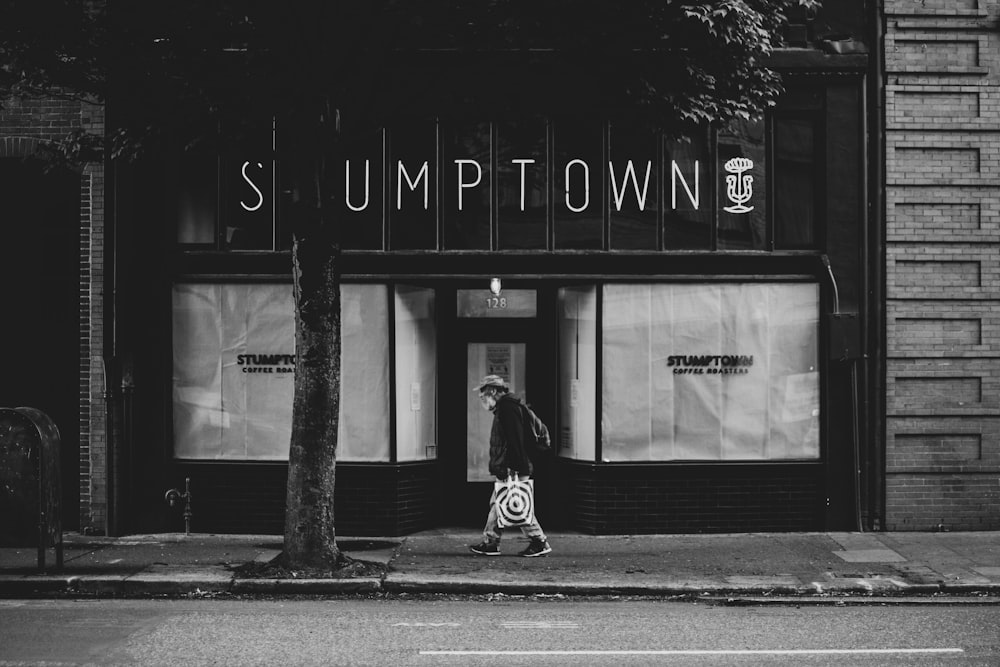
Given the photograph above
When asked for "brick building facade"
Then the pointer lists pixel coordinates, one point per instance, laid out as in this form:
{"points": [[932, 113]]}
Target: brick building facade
{"points": [[930, 435], [942, 185], [56, 292]]}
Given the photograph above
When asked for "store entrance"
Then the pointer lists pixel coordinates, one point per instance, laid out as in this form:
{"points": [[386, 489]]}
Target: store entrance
{"points": [[514, 350]]}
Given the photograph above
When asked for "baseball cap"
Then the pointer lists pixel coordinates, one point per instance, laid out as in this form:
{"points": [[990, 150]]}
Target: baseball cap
{"points": [[491, 381]]}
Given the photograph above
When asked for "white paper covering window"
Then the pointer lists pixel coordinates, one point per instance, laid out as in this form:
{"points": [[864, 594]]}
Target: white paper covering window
{"points": [[416, 374], [577, 372], [715, 372], [233, 379], [363, 434]]}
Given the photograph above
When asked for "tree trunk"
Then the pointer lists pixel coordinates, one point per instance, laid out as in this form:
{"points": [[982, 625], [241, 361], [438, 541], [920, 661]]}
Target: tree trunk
{"points": [[310, 536]]}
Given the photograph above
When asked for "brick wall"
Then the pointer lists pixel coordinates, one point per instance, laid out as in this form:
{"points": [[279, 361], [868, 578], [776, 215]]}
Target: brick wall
{"points": [[605, 499], [370, 500], [942, 265], [25, 127]]}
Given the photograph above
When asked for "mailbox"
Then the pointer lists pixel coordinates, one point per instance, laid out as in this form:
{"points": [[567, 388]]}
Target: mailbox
{"points": [[30, 482]]}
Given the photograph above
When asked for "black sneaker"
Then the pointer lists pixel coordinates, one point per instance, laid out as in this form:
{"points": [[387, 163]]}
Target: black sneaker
{"points": [[486, 549], [536, 548]]}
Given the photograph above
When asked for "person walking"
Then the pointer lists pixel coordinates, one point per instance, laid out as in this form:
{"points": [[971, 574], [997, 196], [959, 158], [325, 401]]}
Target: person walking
{"points": [[508, 455]]}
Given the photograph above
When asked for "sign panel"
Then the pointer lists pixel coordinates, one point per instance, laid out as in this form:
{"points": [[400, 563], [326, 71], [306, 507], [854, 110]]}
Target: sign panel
{"points": [[508, 303]]}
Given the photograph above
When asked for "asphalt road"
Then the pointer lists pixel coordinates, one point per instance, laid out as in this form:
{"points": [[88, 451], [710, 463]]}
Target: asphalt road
{"points": [[493, 631]]}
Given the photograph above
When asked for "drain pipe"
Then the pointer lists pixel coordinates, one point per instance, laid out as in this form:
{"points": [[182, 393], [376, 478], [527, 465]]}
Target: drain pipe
{"points": [[875, 332], [845, 346]]}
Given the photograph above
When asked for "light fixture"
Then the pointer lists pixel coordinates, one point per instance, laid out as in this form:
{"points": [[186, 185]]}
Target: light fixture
{"points": [[495, 286]]}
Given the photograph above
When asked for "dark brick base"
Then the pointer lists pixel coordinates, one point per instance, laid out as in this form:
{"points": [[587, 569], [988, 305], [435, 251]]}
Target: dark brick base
{"points": [[389, 500], [650, 498], [370, 500]]}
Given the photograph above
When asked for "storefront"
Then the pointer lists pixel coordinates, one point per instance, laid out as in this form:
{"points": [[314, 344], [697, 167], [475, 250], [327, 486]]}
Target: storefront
{"points": [[671, 308]]}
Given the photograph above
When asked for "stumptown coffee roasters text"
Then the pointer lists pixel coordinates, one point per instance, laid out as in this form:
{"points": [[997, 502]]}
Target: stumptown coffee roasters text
{"points": [[576, 179]]}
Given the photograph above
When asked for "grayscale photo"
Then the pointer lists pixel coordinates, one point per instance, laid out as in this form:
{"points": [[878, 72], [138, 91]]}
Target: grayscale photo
{"points": [[563, 332]]}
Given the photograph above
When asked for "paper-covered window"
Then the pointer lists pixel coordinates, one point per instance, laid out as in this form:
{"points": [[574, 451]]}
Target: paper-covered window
{"points": [[234, 365], [416, 374], [718, 372], [577, 372]]}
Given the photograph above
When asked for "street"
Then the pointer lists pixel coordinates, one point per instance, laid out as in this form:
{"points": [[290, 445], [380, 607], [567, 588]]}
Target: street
{"points": [[489, 631]]}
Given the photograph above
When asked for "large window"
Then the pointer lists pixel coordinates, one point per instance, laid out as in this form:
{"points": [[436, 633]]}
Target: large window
{"points": [[531, 184], [234, 364], [714, 372]]}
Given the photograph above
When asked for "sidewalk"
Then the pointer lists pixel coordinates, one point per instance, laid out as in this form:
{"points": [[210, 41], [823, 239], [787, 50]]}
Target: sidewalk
{"points": [[810, 566]]}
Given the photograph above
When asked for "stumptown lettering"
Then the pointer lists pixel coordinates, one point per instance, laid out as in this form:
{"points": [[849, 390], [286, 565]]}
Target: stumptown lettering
{"points": [[710, 364], [623, 182], [266, 363], [250, 208]]}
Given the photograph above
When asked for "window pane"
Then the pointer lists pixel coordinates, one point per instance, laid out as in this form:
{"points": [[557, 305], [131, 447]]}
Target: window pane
{"points": [[413, 187], [467, 187], [718, 372], [363, 432], [248, 206], [687, 216], [197, 179], [577, 372], [742, 187], [795, 183], [362, 209], [578, 188], [794, 391], [234, 362], [633, 177], [521, 177], [627, 414], [841, 194], [416, 374]]}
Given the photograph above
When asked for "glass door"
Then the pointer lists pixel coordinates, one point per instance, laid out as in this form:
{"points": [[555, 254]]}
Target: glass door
{"points": [[506, 359], [510, 333]]}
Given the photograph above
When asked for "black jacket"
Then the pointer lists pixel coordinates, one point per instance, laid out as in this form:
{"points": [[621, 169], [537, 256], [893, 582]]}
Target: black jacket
{"points": [[507, 451]]}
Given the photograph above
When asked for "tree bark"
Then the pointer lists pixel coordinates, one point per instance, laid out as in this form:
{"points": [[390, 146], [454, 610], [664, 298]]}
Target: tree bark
{"points": [[310, 535]]}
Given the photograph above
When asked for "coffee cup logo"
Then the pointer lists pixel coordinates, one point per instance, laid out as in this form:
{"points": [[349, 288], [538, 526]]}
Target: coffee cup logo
{"points": [[739, 186]]}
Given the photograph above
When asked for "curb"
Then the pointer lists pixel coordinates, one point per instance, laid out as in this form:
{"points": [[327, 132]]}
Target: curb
{"points": [[32, 586], [305, 586], [198, 584]]}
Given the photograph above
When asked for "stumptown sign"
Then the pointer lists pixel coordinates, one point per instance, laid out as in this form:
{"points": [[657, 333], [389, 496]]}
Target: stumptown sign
{"points": [[739, 183]]}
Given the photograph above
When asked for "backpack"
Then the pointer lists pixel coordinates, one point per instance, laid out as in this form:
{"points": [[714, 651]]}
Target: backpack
{"points": [[536, 434]]}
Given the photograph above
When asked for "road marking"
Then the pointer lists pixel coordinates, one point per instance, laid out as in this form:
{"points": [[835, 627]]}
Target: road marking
{"points": [[804, 651], [418, 624], [540, 625]]}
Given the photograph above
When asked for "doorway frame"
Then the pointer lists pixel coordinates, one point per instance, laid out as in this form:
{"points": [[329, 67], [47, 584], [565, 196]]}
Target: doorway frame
{"points": [[468, 507]]}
